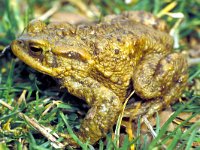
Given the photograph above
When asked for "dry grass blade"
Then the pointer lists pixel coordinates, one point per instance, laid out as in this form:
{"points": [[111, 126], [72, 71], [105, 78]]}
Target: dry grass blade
{"points": [[83, 7], [50, 12], [117, 131], [43, 130]]}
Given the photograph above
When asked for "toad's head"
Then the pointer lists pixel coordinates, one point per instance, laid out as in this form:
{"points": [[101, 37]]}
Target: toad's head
{"points": [[52, 49]]}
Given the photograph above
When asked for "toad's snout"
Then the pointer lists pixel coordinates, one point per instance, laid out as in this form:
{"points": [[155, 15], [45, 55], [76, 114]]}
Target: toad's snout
{"points": [[17, 45]]}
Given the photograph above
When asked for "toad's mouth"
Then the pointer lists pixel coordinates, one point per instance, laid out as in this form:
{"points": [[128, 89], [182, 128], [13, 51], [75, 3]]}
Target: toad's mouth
{"points": [[21, 52]]}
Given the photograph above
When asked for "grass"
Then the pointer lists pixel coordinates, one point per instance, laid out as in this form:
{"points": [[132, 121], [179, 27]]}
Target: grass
{"points": [[38, 96]]}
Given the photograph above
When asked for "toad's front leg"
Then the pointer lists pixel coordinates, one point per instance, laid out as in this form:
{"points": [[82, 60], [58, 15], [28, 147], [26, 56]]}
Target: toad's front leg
{"points": [[105, 108]]}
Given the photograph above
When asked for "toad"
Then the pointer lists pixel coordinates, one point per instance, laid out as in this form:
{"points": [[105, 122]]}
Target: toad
{"points": [[101, 62]]}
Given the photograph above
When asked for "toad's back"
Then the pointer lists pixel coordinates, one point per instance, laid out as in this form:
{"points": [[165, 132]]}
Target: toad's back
{"points": [[117, 45], [124, 33]]}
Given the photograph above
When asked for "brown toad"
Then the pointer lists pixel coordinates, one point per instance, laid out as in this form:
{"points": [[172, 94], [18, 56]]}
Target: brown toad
{"points": [[101, 62]]}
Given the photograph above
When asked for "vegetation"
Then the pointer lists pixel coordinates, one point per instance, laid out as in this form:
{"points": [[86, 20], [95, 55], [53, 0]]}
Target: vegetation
{"points": [[28, 98]]}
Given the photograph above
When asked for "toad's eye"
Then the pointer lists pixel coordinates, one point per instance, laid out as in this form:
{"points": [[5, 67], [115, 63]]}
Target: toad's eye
{"points": [[35, 50]]}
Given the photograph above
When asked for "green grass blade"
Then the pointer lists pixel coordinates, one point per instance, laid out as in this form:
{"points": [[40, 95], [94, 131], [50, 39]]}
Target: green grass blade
{"points": [[70, 131], [157, 123], [175, 139], [165, 126], [191, 139]]}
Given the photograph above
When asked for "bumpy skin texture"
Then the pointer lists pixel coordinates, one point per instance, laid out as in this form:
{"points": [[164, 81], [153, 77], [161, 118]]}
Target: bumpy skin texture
{"points": [[99, 62]]}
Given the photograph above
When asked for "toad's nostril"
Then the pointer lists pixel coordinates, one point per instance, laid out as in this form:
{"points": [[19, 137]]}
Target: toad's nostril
{"points": [[20, 42]]}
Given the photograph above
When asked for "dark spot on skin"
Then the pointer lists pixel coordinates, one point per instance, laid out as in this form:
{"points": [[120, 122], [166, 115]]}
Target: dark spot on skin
{"points": [[159, 70], [162, 99], [73, 55], [168, 46], [131, 33], [119, 39], [96, 52], [125, 32], [116, 59], [102, 130], [185, 72], [54, 64], [168, 59], [116, 51], [155, 26], [113, 98]]}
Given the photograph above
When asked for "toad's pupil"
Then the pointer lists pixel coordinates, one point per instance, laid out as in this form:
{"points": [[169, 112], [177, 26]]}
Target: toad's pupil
{"points": [[35, 50]]}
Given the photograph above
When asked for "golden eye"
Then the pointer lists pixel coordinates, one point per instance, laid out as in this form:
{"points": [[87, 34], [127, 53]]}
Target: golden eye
{"points": [[35, 50]]}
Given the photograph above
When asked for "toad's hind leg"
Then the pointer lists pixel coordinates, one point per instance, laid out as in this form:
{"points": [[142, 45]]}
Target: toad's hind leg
{"points": [[160, 82]]}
